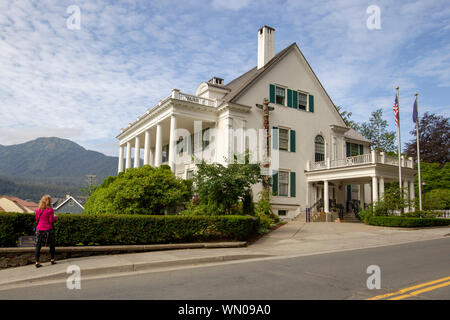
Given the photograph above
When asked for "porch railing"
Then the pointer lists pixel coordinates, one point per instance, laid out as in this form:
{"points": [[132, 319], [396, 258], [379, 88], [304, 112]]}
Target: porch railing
{"points": [[368, 158]]}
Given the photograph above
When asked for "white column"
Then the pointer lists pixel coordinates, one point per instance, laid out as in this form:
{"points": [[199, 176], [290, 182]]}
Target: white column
{"points": [[137, 153], [381, 187], [308, 187], [172, 142], [152, 157], [326, 201], [374, 189], [147, 148], [158, 147], [120, 169], [361, 195], [411, 193], [229, 145], [405, 185], [128, 162]]}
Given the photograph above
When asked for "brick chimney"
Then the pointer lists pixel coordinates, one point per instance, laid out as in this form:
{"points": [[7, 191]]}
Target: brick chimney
{"points": [[266, 45]]}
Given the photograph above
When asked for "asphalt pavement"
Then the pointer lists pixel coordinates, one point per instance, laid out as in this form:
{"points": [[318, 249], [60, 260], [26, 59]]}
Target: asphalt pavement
{"points": [[415, 266]]}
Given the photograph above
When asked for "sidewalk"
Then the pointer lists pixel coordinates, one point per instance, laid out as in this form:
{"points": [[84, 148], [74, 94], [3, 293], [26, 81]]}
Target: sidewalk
{"points": [[293, 239]]}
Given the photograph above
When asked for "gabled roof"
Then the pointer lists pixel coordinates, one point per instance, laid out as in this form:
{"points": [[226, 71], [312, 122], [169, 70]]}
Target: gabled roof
{"points": [[22, 204], [67, 199], [240, 84], [355, 135]]}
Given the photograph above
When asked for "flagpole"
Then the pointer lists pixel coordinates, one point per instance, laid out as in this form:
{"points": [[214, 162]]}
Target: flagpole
{"points": [[399, 146], [418, 154]]}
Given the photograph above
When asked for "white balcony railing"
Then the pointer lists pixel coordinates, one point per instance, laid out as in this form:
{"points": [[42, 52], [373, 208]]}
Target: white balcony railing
{"points": [[176, 94], [368, 158]]}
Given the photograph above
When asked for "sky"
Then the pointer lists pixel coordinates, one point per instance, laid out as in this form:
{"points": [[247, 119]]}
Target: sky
{"points": [[86, 83]]}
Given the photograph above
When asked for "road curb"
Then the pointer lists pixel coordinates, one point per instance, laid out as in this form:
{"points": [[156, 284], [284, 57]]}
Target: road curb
{"points": [[130, 267]]}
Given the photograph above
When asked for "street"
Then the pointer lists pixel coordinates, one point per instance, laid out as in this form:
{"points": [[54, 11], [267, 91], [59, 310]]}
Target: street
{"points": [[338, 275]]}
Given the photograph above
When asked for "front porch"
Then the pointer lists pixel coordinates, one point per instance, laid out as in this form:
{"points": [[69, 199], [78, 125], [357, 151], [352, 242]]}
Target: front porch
{"points": [[345, 185]]}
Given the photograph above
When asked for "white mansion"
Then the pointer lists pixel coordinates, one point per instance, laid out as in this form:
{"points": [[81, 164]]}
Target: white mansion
{"points": [[317, 155]]}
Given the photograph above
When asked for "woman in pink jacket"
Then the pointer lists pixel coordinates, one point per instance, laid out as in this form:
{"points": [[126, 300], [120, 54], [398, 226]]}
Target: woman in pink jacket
{"points": [[45, 234]]}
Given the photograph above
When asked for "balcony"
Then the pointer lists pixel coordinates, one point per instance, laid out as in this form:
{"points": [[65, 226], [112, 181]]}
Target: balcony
{"points": [[177, 94], [364, 159]]}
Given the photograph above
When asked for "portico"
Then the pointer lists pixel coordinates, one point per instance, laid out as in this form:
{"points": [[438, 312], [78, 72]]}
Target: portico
{"points": [[166, 133], [369, 172]]}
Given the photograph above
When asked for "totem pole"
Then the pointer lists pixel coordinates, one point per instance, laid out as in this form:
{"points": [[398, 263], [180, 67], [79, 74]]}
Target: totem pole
{"points": [[266, 157]]}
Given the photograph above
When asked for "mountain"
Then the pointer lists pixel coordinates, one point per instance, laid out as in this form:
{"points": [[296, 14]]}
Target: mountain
{"points": [[50, 164]]}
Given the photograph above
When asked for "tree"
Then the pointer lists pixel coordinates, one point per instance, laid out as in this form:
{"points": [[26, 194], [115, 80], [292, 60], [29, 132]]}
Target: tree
{"points": [[223, 186], [376, 131], [434, 139], [346, 117], [145, 190], [436, 185]]}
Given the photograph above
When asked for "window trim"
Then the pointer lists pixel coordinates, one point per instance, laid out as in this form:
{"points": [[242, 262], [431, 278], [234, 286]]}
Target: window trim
{"points": [[288, 138], [324, 151], [288, 183], [285, 94], [307, 100]]}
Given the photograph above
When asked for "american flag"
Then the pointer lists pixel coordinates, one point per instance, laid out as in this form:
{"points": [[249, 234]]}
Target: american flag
{"points": [[395, 107]]}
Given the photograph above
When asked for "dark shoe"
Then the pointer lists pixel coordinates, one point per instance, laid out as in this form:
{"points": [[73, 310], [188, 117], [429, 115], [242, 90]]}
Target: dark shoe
{"points": [[38, 265], [53, 262]]}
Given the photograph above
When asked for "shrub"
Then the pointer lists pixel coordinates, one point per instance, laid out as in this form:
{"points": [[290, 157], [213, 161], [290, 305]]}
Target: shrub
{"points": [[396, 221], [109, 229], [422, 214], [139, 191], [365, 214], [263, 211], [437, 199], [225, 186]]}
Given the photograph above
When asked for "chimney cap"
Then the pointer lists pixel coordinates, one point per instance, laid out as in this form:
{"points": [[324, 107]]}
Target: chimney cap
{"points": [[216, 80], [266, 26]]}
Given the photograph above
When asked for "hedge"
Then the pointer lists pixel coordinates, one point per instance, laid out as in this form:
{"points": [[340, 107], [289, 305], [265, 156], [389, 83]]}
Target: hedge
{"points": [[396, 221], [74, 229]]}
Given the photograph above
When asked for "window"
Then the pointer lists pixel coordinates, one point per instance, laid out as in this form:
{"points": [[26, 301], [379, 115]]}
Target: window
{"points": [[319, 149], [180, 148], [283, 183], [280, 94], [284, 139], [302, 101], [189, 174], [165, 153], [354, 149], [281, 212]]}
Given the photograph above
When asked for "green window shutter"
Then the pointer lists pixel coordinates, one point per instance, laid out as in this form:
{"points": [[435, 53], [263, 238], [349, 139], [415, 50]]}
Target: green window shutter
{"points": [[347, 145], [289, 98], [275, 138], [275, 183], [292, 142], [311, 103], [295, 99], [272, 93], [292, 184], [361, 149]]}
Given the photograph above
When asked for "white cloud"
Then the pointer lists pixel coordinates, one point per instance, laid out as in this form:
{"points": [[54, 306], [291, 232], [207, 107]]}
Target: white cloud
{"points": [[230, 4]]}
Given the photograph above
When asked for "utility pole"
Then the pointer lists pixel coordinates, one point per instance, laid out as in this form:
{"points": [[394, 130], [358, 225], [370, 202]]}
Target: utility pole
{"points": [[91, 181]]}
